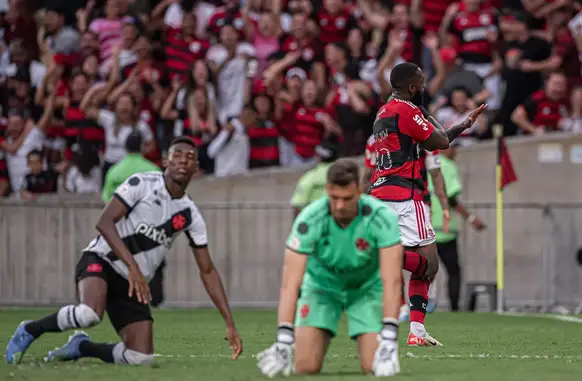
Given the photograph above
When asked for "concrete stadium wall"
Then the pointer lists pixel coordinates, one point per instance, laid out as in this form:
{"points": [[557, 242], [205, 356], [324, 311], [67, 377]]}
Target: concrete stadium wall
{"points": [[248, 220]]}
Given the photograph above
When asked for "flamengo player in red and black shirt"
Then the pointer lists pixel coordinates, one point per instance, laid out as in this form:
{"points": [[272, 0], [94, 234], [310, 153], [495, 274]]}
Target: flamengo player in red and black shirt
{"points": [[401, 129]]}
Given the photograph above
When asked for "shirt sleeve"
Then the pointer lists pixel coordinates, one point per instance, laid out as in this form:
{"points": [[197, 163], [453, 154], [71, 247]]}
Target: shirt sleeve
{"points": [[302, 194], [24, 186], [130, 191], [531, 106], [70, 181], [196, 232], [145, 131], [432, 160], [385, 228], [108, 190], [106, 119], [453, 183], [303, 237], [173, 16], [370, 154], [95, 26], [415, 125]]}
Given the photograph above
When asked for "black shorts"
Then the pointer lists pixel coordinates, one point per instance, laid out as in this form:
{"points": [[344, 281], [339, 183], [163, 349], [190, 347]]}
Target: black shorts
{"points": [[122, 309]]}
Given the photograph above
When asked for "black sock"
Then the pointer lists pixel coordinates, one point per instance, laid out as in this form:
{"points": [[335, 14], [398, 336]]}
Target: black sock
{"points": [[104, 352], [46, 324]]}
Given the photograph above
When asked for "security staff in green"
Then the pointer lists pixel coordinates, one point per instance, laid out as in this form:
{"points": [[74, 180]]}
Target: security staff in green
{"points": [[447, 244], [311, 186], [133, 163]]}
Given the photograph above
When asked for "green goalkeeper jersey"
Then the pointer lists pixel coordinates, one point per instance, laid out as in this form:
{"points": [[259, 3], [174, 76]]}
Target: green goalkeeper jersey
{"points": [[343, 259]]}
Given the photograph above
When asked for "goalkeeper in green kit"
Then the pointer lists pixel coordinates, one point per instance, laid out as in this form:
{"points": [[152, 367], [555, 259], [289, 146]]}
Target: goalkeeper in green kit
{"points": [[343, 255]]}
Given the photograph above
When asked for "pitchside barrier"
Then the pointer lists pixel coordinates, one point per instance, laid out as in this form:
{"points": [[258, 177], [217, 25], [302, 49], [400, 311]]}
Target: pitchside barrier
{"points": [[41, 243]]}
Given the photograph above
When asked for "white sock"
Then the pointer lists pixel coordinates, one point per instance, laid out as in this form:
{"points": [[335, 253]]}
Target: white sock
{"points": [[417, 329]]}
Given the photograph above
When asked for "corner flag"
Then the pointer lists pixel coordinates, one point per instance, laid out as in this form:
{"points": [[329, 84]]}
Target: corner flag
{"points": [[504, 175]]}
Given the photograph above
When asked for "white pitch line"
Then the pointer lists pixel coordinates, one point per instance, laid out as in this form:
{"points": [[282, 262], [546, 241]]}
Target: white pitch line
{"points": [[565, 318], [410, 355], [488, 356]]}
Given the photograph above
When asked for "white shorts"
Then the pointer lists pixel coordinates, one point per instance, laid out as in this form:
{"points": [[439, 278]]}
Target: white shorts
{"points": [[414, 222]]}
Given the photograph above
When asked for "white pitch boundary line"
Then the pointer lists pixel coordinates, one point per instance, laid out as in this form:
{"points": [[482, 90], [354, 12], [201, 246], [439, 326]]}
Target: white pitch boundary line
{"points": [[411, 355], [565, 318]]}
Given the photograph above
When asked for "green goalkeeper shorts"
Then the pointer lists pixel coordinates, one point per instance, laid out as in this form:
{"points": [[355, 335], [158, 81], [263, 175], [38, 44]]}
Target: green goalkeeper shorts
{"points": [[323, 309]]}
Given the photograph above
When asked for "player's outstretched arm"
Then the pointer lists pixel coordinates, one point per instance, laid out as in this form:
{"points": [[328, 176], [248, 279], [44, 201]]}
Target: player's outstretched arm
{"points": [[278, 358], [386, 360], [293, 270], [453, 132], [213, 284], [391, 274]]}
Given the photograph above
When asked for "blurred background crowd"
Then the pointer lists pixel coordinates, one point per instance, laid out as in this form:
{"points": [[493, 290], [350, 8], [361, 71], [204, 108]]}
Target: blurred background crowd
{"points": [[262, 83]]}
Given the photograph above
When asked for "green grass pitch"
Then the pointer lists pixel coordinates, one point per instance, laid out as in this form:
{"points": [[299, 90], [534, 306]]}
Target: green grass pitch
{"points": [[191, 346]]}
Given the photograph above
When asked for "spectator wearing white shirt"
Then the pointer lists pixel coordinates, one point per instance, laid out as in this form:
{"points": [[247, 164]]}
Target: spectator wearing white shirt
{"points": [[175, 14], [23, 137], [230, 149], [85, 175], [118, 125], [228, 61]]}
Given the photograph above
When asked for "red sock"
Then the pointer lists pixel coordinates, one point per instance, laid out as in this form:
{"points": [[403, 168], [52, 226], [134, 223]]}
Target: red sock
{"points": [[415, 263], [418, 295], [403, 300]]}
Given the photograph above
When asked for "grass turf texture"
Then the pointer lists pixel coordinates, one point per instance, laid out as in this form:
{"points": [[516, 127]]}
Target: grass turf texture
{"points": [[191, 346]]}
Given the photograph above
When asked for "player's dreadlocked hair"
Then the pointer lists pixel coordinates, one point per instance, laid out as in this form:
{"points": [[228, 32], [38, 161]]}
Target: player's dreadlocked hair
{"points": [[343, 172], [402, 74]]}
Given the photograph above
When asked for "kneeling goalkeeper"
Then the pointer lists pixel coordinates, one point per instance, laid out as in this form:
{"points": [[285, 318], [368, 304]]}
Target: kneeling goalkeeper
{"points": [[344, 254]]}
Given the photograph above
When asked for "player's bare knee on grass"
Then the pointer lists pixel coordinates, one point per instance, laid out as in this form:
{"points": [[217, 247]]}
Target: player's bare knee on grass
{"points": [[93, 293], [127, 356], [367, 345], [310, 348], [138, 337]]}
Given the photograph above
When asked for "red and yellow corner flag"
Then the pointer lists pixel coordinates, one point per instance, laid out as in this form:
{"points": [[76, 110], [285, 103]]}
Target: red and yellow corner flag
{"points": [[508, 174]]}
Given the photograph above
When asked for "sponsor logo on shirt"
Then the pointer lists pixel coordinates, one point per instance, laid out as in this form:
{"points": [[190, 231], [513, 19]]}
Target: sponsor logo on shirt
{"points": [[153, 233]]}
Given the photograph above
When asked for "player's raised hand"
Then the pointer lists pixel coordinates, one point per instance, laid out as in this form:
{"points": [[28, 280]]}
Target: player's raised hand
{"points": [[472, 118], [138, 286], [234, 341]]}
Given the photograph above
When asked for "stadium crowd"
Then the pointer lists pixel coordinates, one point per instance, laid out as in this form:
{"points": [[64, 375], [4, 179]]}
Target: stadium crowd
{"points": [[260, 83]]}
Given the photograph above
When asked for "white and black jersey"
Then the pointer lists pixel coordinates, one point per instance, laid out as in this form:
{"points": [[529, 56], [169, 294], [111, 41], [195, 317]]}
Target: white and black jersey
{"points": [[152, 222]]}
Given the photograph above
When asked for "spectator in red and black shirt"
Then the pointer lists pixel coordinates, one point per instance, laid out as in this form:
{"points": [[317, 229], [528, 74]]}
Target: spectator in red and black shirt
{"points": [[334, 21], [351, 100], [311, 59], [182, 48], [229, 14], [264, 134], [544, 109], [37, 180], [398, 20]]}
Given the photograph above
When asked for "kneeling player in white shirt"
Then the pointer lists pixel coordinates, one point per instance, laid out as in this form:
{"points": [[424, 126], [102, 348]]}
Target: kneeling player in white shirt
{"points": [[137, 229]]}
